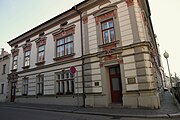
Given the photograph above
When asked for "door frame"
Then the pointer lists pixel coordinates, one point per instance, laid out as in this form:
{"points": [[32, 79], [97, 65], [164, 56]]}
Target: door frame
{"points": [[116, 75]]}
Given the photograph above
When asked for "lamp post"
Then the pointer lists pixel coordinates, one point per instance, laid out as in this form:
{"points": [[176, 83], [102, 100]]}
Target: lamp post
{"points": [[166, 55]]}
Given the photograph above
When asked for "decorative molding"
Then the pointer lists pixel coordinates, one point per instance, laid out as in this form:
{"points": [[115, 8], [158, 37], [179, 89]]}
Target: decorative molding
{"points": [[64, 31], [41, 41], [130, 2], [27, 47], [139, 2], [85, 19], [105, 13], [15, 52]]}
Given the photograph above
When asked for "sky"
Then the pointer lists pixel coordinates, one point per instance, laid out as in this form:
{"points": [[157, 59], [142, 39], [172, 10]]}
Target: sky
{"points": [[19, 16]]}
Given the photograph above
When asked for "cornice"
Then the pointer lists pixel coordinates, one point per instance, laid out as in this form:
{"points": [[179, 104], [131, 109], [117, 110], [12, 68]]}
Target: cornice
{"points": [[83, 6]]}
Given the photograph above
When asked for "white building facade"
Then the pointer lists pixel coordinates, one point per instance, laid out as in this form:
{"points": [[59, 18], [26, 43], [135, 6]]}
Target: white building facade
{"points": [[4, 71], [112, 45]]}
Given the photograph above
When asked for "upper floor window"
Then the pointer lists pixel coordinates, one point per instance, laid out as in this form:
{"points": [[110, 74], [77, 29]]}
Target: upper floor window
{"points": [[41, 53], [4, 69], [27, 52], [65, 83], [27, 58], [108, 32], [40, 43], [64, 46], [15, 53], [64, 42], [15, 62]]}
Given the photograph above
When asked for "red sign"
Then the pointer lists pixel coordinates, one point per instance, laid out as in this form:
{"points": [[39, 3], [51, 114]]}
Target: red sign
{"points": [[72, 70]]}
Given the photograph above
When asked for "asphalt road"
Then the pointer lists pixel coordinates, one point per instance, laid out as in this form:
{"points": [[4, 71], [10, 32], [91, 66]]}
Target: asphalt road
{"points": [[9, 113]]}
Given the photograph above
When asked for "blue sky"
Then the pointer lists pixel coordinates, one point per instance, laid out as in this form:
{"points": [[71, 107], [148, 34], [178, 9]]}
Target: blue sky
{"points": [[19, 16]]}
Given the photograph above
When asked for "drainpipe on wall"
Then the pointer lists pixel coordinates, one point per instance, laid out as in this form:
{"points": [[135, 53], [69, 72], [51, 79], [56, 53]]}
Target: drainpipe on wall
{"points": [[82, 52]]}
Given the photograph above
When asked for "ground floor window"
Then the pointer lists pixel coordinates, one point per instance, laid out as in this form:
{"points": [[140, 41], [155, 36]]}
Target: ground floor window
{"points": [[2, 88], [40, 84], [65, 83], [25, 86]]}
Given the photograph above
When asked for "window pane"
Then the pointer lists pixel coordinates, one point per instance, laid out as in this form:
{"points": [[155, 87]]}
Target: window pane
{"points": [[115, 84], [27, 53], [41, 57], [27, 61], [71, 38], [112, 36], [111, 24], [104, 26], [66, 39], [70, 48], [61, 51], [60, 42], [66, 49], [41, 48], [106, 37]]}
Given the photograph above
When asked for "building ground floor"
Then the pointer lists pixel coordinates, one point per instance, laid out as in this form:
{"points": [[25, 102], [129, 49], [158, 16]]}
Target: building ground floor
{"points": [[127, 76]]}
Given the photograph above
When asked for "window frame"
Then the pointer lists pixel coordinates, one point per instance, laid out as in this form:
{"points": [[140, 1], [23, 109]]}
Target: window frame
{"points": [[108, 29], [40, 51], [2, 88], [4, 69], [63, 44], [15, 61], [25, 87], [40, 85], [65, 85], [27, 56]]}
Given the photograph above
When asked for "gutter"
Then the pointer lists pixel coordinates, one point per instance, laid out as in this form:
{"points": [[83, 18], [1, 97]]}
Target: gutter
{"points": [[82, 52]]}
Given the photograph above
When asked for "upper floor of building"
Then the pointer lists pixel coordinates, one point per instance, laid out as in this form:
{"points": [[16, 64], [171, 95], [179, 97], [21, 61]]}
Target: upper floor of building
{"points": [[90, 27]]}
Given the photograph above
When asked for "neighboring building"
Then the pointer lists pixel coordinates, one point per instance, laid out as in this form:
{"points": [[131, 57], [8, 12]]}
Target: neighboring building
{"points": [[4, 71], [110, 42]]}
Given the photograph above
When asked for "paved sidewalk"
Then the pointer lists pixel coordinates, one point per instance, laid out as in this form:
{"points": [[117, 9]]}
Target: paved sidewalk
{"points": [[168, 109]]}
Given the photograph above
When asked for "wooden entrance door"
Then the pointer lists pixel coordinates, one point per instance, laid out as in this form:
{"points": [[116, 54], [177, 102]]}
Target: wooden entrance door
{"points": [[115, 84], [13, 91]]}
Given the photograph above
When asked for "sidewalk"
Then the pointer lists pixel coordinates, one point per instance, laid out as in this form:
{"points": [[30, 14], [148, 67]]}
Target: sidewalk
{"points": [[168, 109]]}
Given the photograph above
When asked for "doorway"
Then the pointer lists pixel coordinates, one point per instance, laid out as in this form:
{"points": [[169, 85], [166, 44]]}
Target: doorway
{"points": [[13, 91], [115, 84]]}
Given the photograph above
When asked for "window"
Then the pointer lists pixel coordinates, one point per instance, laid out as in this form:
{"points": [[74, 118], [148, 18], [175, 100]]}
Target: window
{"points": [[65, 83], [2, 88], [15, 60], [27, 58], [25, 86], [64, 46], [41, 53], [40, 85], [108, 32], [4, 69]]}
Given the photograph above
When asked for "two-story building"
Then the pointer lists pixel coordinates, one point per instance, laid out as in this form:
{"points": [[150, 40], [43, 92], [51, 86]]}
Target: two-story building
{"points": [[112, 45], [4, 71]]}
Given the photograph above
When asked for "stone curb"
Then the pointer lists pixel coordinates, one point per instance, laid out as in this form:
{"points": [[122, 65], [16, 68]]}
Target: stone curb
{"points": [[98, 113]]}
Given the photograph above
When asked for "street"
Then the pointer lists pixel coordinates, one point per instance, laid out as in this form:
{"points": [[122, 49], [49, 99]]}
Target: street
{"points": [[8, 113]]}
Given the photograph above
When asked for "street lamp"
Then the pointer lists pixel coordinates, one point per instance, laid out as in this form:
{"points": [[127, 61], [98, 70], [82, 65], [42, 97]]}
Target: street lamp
{"points": [[166, 55]]}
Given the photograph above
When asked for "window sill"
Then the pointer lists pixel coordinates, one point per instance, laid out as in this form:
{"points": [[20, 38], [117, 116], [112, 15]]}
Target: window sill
{"points": [[64, 57], [108, 44], [40, 63], [41, 94], [25, 67], [67, 93], [13, 70], [24, 95]]}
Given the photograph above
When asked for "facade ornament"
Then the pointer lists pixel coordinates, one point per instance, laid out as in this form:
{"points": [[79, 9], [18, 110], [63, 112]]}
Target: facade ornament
{"points": [[130, 2]]}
